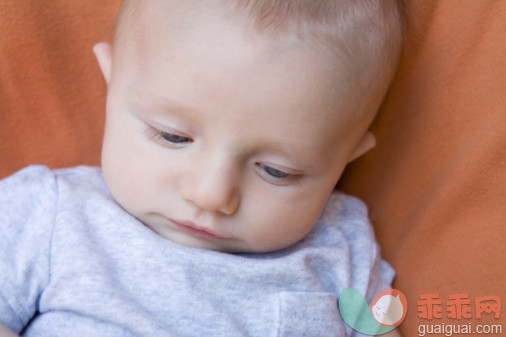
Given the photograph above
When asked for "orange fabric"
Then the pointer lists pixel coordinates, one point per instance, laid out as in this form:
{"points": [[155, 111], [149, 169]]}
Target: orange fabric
{"points": [[52, 96], [435, 183]]}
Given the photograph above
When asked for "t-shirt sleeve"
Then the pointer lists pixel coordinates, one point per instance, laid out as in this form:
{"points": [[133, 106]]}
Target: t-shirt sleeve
{"points": [[369, 273], [27, 211], [382, 275]]}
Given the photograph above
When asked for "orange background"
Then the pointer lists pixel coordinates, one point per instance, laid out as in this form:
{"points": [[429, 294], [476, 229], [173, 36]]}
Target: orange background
{"points": [[435, 183]]}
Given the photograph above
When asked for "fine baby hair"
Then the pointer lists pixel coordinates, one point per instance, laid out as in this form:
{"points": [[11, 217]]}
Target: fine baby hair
{"points": [[366, 32]]}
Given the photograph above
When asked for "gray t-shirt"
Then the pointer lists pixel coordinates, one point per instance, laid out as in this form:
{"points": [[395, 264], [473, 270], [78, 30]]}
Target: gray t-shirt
{"points": [[74, 263]]}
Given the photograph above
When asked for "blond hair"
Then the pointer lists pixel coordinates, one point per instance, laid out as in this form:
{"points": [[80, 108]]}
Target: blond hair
{"points": [[367, 33]]}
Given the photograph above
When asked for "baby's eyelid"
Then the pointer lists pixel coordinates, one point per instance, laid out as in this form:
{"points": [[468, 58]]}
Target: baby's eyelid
{"points": [[175, 137], [275, 172], [166, 136], [165, 129]]}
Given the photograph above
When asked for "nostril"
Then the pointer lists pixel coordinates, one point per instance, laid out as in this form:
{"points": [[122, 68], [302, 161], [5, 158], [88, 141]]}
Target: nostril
{"points": [[231, 206]]}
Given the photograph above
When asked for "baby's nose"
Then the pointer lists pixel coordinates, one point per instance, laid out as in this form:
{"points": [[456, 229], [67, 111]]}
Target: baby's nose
{"points": [[212, 188]]}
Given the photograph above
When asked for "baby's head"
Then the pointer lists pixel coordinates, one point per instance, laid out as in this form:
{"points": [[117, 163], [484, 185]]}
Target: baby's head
{"points": [[229, 122]]}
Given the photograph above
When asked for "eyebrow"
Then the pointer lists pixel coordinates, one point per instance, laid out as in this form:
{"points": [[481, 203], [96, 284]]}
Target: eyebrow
{"points": [[150, 100]]}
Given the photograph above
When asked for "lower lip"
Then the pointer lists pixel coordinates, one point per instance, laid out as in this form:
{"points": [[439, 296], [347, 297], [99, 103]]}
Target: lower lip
{"points": [[195, 231]]}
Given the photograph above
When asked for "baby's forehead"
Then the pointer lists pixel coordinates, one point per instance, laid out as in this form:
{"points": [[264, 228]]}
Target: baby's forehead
{"points": [[295, 20], [134, 17], [158, 27], [365, 33], [142, 22]]}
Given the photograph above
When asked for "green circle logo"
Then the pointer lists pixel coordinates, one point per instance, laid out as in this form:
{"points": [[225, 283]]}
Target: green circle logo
{"points": [[384, 314]]}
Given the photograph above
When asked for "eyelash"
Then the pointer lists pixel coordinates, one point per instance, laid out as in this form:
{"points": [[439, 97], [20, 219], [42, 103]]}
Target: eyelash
{"points": [[167, 138], [174, 139], [178, 140], [275, 173]]}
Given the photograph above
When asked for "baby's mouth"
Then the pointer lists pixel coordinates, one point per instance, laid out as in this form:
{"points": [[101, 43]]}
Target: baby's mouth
{"points": [[193, 229]]}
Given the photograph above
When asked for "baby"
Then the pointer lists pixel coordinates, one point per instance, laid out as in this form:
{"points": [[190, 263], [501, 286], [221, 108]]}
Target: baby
{"points": [[214, 213]]}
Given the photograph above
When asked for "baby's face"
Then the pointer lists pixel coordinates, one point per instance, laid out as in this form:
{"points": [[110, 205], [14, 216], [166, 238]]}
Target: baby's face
{"points": [[223, 138]]}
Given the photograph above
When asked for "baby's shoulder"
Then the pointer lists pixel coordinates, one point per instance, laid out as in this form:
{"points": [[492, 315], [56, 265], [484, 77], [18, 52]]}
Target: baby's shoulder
{"points": [[81, 179], [38, 187], [40, 175], [32, 182], [28, 203]]}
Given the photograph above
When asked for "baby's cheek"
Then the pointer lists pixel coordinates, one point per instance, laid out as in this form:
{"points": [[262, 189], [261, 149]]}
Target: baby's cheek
{"points": [[287, 232], [125, 187], [276, 221]]}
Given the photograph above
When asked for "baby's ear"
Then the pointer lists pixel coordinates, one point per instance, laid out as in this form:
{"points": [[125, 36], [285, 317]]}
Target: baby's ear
{"points": [[366, 143], [103, 53]]}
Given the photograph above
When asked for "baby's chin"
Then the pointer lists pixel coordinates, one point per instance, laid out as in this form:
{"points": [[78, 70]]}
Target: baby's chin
{"points": [[227, 246]]}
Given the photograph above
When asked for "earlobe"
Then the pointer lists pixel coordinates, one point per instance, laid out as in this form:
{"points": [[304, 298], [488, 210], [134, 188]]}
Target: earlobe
{"points": [[366, 143], [103, 53]]}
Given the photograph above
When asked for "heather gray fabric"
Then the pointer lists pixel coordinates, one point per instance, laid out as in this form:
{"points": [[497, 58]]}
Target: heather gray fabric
{"points": [[74, 263]]}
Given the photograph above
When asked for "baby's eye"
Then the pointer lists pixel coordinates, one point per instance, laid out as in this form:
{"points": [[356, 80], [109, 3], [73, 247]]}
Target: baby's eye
{"points": [[176, 139], [274, 172]]}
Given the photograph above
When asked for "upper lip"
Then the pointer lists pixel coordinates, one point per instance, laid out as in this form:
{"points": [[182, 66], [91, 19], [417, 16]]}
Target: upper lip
{"points": [[197, 228]]}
